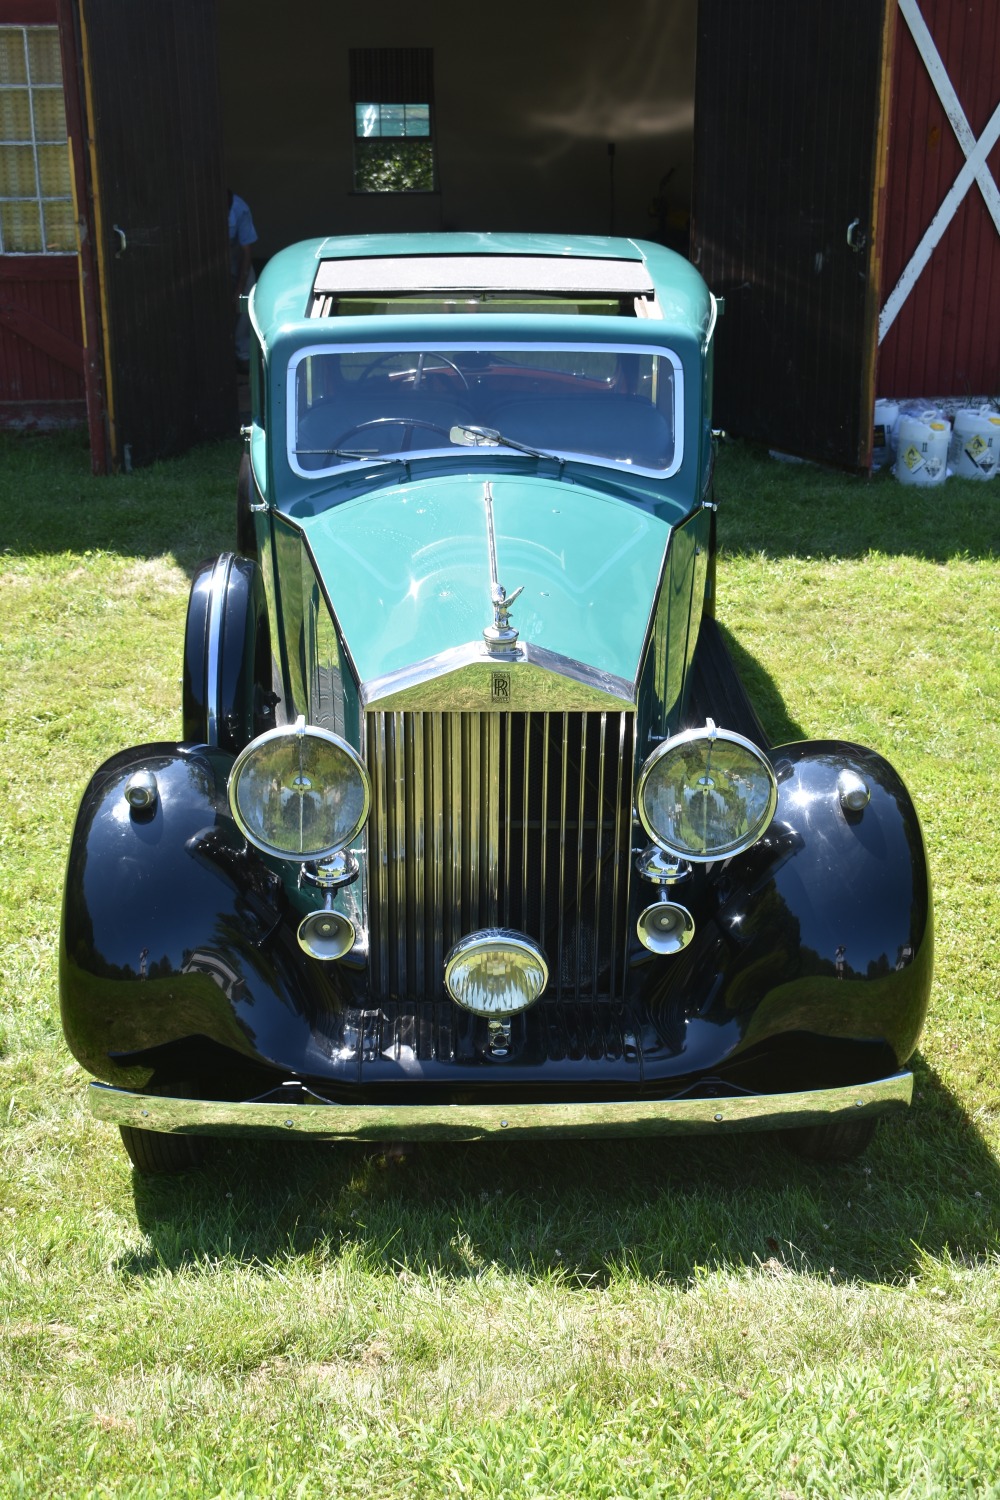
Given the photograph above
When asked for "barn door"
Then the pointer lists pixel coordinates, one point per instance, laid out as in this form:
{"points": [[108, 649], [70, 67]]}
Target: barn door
{"points": [[789, 113], [157, 210]]}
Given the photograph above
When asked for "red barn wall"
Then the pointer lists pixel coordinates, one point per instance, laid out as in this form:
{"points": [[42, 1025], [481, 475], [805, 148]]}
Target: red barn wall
{"points": [[41, 341], [41, 332], [945, 341]]}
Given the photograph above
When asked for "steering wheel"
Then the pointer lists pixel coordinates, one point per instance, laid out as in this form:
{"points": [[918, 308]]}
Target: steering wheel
{"points": [[418, 371], [408, 422]]}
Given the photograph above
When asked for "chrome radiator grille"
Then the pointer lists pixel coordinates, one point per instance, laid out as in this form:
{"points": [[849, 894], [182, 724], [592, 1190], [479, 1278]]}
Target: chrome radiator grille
{"points": [[511, 820]]}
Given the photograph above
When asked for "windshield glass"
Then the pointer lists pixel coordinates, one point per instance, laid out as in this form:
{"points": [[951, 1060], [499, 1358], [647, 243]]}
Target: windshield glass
{"points": [[603, 404]]}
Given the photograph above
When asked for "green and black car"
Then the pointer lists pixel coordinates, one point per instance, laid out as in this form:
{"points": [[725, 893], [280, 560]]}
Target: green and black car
{"points": [[471, 828]]}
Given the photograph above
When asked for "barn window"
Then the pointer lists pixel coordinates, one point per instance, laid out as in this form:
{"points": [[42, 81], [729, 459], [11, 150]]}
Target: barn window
{"points": [[392, 95], [36, 202]]}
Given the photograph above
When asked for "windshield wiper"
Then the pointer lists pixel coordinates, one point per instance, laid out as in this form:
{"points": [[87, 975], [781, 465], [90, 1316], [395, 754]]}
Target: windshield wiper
{"points": [[469, 436], [386, 458]]}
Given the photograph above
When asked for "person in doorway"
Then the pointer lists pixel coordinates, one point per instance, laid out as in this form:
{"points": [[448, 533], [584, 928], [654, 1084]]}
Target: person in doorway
{"points": [[242, 237]]}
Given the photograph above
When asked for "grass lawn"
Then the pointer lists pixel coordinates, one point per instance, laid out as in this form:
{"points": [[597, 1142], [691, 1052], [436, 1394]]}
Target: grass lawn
{"points": [[708, 1319]]}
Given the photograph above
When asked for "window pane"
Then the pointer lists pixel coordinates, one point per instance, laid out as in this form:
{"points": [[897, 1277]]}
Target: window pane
{"points": [[21, 228], [366, 122], [15, 115], [12, 64], [17, 172], [418, 119], [60, 231], [50, 115], [34, 156], [43, 54], [394, 166], [53, 171], [600, 404], [393, 119]]}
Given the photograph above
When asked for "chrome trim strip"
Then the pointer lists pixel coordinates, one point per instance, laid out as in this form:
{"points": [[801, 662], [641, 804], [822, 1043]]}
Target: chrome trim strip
{"points": [[599, 848], [462, 1122], [544, 830], [378, 864], [580, 830], [623, 772], [563, 851], [213, 646], [435, 914], [713, 318], [506, 771], [489, 784], [401, 849], [525, 802], [417, 816], [491, 538], [461, 680]]}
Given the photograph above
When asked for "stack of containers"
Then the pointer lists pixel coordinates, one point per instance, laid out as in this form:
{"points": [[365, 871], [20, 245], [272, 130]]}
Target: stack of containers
{"points": [[924, 447]]}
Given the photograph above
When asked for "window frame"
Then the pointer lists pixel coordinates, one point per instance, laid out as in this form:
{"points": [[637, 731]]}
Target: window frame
{"points": [[437, 345], [395, 78], [40, 198]]}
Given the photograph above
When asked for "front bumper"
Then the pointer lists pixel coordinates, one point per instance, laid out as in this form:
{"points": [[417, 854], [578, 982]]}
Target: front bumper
{"points": [[304, 1113]]}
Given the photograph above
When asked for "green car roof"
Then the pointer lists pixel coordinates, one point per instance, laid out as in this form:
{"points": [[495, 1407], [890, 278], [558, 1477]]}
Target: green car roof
{"points": [[282, 295]]}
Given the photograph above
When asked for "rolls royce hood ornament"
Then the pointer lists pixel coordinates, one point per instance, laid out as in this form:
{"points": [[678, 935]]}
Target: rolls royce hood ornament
{"points": [[501, 636]]}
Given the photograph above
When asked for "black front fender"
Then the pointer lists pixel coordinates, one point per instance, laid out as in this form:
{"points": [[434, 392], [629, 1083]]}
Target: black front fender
{"points": [[172, 932], [813, 955]]}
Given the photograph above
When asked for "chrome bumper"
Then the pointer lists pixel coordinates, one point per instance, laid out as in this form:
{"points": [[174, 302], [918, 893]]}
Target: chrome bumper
{"points": [[472, 1122]]}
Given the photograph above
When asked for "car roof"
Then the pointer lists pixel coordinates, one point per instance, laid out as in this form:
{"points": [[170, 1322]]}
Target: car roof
{"points": [[293, 280]]}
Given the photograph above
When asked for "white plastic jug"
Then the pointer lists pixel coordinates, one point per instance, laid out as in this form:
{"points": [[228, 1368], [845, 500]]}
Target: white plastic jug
{"points": [[975, 446], [883, 445], [922, 456]]}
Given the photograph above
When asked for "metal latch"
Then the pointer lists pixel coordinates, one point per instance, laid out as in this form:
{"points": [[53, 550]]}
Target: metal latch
{"points": [[857, 239]]}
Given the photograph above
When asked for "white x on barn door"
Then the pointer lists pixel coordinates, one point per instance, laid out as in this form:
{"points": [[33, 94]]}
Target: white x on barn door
{"points": [[975, 168]]}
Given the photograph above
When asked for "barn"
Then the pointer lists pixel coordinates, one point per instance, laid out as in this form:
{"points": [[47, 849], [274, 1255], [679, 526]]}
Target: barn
{"points": [[832, 169]]}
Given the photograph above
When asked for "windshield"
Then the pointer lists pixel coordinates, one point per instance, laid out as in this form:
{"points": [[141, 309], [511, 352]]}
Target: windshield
{"points": [[603, 404]]}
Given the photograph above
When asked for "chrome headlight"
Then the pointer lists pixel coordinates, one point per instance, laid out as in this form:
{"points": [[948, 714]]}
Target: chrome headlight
{"points": [[495, 972], [299, 792], [706, 794]]}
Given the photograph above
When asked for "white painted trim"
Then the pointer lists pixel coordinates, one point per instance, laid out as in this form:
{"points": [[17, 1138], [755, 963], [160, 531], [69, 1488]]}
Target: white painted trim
{"points": [[974, 170]]}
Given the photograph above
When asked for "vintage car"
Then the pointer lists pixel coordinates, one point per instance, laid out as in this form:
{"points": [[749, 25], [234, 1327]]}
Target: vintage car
{"points": [[471, 829]]}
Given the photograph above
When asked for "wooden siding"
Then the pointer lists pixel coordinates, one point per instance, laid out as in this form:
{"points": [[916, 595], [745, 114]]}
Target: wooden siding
{"points": [[945, 340], [158, 206], [41, 341], [788, 100]]}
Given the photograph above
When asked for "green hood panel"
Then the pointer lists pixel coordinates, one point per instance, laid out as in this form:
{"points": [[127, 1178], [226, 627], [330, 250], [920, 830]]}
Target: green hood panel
{"points": [[407, 570]]}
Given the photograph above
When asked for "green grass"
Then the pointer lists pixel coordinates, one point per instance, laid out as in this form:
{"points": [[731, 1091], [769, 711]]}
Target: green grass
{"points": [[709, 1319]]}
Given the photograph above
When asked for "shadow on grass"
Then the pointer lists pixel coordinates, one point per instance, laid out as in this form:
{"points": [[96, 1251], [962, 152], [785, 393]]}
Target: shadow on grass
{"points": [[799, 510], [53, 504], [764, 693], [591, 1213]]}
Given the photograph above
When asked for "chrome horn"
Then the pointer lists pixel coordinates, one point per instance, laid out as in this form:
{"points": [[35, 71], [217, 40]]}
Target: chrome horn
{"points": [[326, 934], [665, 927]]}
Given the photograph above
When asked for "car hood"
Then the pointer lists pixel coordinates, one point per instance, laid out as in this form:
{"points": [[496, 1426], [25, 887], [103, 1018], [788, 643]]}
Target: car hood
{"points": [[409, 571]]}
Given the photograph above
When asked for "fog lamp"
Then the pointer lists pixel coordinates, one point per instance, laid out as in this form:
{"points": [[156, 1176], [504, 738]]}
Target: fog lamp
{"points": [[495, 972]]}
